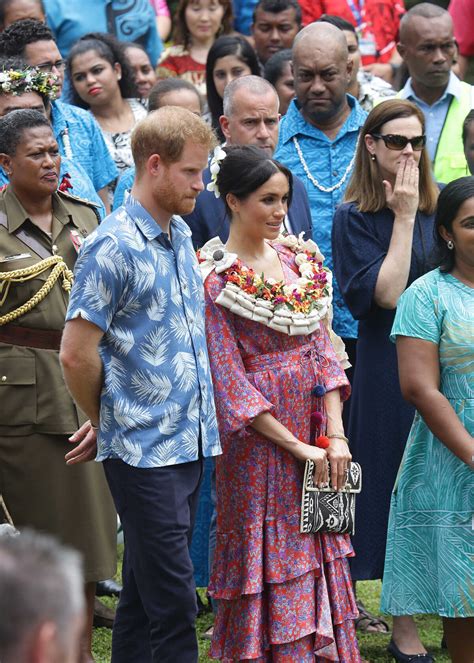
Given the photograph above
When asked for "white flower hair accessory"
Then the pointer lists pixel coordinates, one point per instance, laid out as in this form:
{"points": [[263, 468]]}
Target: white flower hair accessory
{"points": [[215, 166], [20, 81]]}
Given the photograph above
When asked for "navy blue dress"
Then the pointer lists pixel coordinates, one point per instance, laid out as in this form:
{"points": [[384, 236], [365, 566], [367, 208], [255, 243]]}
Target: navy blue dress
{"points": [[380, 419]]}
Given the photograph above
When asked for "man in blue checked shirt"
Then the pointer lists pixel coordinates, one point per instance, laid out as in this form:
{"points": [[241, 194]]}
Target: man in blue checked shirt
{"points": [[135, 359], [318, 138]]}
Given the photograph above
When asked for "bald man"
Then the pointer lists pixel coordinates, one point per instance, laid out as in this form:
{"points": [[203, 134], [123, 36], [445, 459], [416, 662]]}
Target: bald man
{"points": [[318, 138], [250, 118], [428, 48]]}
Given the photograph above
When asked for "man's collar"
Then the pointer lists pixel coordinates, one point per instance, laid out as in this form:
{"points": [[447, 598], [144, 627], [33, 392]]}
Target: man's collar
{"points": [[57, 117], [147, 224], [294, 123], [454, 88], [17, 215]]}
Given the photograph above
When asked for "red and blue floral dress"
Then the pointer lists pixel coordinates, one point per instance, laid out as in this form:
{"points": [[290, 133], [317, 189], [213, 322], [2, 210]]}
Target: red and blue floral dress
{"points": [[282, 596]]}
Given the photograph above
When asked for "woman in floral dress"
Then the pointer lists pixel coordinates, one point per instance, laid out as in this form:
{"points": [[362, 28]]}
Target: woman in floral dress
{"points": [[282, 596]]}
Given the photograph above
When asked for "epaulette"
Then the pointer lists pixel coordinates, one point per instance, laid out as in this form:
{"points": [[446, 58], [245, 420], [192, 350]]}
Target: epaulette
{"points": [[78, 199]]}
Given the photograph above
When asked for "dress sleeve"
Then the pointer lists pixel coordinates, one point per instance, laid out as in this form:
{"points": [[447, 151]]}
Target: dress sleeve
{"points": [[418, 313], [237, 401], [334, 375], [357, 256]]}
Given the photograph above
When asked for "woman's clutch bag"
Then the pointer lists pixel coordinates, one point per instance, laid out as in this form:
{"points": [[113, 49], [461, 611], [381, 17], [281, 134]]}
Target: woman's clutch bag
{"points": [[325, 509]]}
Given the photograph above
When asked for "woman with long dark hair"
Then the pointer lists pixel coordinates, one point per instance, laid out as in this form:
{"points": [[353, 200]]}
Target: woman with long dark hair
{"points": [[428, 566], [103, 82], [230, 56], [198, 23], [382, 242], [278, 386]]}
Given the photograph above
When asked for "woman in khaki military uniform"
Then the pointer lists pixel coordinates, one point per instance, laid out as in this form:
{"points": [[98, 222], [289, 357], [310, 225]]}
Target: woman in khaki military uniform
{"points": [[41, 230]]}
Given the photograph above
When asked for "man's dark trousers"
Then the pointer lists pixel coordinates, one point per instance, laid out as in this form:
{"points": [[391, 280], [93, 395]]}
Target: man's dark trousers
{"points": [[155, 620]]}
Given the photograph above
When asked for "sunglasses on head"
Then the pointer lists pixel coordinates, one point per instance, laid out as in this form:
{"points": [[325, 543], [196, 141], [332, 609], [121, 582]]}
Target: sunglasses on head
{"points": [[396, 142]]}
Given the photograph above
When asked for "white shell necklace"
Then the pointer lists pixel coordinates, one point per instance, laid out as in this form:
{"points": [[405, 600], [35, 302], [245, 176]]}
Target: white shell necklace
{"points": [[326, 189]]}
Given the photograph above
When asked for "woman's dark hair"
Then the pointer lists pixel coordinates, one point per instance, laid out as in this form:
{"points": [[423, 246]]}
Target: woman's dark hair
{"points": [[338, 22], [110, 49], [223, 46], [245, 169], [274, 66], [162, 88], [450, 200], [134, 44], [181, 34], [465, 125], [14, 124]]}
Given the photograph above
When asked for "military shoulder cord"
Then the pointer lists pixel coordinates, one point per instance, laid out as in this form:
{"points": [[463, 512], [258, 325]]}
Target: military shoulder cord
{"points": [[27, 273]]}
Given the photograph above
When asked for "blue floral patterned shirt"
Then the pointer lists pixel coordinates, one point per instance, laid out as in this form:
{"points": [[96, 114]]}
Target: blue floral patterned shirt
{"points": [[80, 138], [145, 292], [328, 161]]}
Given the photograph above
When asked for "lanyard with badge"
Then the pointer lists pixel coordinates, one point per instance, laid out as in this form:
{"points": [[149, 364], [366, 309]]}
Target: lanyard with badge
{"points": [[365, 34]]}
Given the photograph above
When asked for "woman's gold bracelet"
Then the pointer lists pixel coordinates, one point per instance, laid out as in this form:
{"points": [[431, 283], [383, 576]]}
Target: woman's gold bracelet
{"points": [[339, 437]]}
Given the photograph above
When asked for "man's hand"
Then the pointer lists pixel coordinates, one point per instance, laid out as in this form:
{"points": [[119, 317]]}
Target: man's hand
{"points": [[86, 449]]}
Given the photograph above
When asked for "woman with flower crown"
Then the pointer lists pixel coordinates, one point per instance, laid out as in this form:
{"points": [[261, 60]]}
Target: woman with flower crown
{"points": [[281, 596]]}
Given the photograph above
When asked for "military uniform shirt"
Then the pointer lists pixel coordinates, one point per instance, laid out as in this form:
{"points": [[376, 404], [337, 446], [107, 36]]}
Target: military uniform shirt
{"points": [[33, 395]]}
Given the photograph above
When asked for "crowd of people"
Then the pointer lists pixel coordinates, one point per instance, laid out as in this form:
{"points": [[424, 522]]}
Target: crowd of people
{"points": [[235, 236]]}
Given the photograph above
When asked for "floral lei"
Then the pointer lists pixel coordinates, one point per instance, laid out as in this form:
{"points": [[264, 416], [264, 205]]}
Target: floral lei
{"points": [[19, 81], [301, 297], [294, 309]]}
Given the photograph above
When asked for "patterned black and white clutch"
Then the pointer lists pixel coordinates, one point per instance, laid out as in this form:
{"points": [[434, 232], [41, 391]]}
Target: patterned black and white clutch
{"points": [[326, 510]]}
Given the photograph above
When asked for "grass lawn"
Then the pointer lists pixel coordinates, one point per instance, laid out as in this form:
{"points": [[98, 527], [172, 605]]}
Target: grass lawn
{"points": [[373, 646]]}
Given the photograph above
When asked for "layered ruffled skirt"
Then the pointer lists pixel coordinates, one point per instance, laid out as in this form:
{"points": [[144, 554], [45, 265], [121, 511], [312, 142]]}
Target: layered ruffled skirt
{"points": [[281, 596]]}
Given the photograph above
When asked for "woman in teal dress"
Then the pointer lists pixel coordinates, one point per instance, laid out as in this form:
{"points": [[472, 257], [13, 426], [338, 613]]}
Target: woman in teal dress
{"points": [[429, 564]]}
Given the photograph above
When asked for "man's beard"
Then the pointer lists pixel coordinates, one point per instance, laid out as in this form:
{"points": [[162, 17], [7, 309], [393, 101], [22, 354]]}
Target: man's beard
{"points": [[172, 200]]}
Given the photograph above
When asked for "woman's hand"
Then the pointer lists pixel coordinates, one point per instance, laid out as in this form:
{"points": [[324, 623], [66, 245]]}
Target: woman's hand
{"points": [[339, 458], [306, 452], [403, 199]]}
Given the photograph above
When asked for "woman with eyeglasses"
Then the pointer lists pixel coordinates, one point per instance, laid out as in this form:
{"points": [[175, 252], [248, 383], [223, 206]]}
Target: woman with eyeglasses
{"points": [[382, 242]]}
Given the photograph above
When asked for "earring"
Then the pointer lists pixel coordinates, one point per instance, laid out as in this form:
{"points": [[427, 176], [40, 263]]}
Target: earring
{"points": [[450, 244], [372, 156]]}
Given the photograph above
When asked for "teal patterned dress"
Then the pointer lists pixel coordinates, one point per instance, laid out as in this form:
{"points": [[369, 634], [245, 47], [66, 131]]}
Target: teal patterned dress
{"points": [[429, 565]]}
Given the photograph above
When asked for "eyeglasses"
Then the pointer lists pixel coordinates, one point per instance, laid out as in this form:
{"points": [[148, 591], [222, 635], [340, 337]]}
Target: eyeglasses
{"points": [[398, 143], [49, 66]]}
